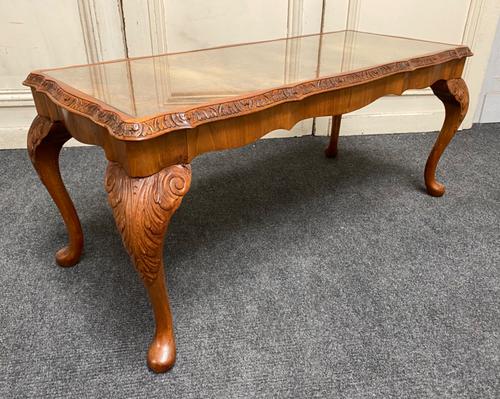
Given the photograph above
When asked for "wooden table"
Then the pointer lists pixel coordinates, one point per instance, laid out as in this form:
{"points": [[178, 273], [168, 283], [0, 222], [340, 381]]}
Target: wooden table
{"points": [[153, 115]]}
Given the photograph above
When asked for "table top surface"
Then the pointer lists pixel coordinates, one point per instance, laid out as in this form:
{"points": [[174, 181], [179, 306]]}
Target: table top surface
{"points": [[190, 87]]}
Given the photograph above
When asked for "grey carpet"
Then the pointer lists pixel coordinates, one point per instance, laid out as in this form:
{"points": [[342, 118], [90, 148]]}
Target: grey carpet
{"points": [[290, 275]]}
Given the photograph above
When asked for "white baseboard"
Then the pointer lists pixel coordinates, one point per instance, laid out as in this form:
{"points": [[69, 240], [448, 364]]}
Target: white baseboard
{"points": [[15, 137], [383, 124], [352, 124], [16, 114], [490, 111], [358, 124]]}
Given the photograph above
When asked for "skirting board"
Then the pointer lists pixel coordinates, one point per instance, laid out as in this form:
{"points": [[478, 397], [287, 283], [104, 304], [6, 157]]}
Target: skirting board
{"points": [[490, 110], [384, 124], [15, 137], [352, 124], [357, 124]]}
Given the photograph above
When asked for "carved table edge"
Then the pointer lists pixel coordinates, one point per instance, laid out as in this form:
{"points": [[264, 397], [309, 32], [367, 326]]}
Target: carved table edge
{"points": [[122, 127]]}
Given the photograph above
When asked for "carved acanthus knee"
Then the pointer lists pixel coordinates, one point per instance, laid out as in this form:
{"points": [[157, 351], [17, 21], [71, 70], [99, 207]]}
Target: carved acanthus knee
{"points": [[142, 207], [453, 91]]}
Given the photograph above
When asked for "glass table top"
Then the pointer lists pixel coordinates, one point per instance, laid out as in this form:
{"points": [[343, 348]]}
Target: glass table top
{"points": [[141, 87]]}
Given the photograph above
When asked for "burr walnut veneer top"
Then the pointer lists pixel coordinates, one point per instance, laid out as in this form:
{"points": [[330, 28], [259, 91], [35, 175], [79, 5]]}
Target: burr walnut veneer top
{"points": [[142, 98]]}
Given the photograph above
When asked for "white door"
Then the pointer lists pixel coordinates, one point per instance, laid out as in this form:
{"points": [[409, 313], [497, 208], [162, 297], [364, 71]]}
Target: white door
{"points": [[40, 34], [37, 34], [171, 25], [488, 109], [471, 22]]}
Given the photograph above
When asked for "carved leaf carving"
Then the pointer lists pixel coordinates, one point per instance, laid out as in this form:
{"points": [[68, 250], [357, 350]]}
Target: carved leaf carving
{"points": [[39, 129], [142, 208], [453, 90], [190, 118], [458, 89]]}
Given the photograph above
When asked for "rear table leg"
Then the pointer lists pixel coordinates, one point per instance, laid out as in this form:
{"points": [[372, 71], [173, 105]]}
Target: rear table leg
{"points": [[455, 97], [331, 150]]}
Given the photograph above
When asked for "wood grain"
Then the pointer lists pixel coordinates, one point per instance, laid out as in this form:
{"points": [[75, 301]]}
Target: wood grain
{"points": [[331, 150], [149, 172], [142, 208], [126, 127], [45, 140], [455, 97], [182, 146]]}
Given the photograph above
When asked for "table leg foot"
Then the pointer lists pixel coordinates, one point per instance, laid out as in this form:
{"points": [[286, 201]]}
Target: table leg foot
{"points": [[161, 353], [45, 140], [143, 207], [331, 150], [455, 97]]}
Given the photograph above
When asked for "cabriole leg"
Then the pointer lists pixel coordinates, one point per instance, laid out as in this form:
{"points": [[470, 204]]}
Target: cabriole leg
{"points": [[455, 97], [331, 150], [142, 208], [45, 140]]}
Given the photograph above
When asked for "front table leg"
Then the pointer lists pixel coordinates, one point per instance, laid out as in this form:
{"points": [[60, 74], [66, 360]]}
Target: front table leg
{"points": [[455, 97], [45, 140], [142, 207]]}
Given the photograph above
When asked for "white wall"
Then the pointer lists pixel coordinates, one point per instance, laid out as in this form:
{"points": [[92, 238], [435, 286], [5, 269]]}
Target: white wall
{"points": [[30, 37], [470, 22], [488, 109], [37, 34], [41, 34]]}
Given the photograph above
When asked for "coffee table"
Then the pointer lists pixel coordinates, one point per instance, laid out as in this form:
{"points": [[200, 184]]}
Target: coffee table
{"points": [[153, 115]]}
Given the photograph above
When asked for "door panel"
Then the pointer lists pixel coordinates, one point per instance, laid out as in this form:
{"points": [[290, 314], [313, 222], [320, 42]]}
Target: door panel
{"points": [[159, 26], [442, 20], [49, 33], [489, 105], [452, 21], [36, 34], [33, 36], [336, 13]]}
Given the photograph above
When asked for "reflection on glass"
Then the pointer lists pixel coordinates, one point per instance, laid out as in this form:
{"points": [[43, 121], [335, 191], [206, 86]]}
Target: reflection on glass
{"points": [[146, 86]]}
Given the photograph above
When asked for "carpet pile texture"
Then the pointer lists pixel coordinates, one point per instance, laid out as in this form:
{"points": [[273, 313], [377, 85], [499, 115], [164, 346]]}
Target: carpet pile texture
{"points": [[290, 276]]}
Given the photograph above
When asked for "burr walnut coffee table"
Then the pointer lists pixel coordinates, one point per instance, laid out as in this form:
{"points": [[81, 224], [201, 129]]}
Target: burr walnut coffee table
{"points": [[153, 115]]}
